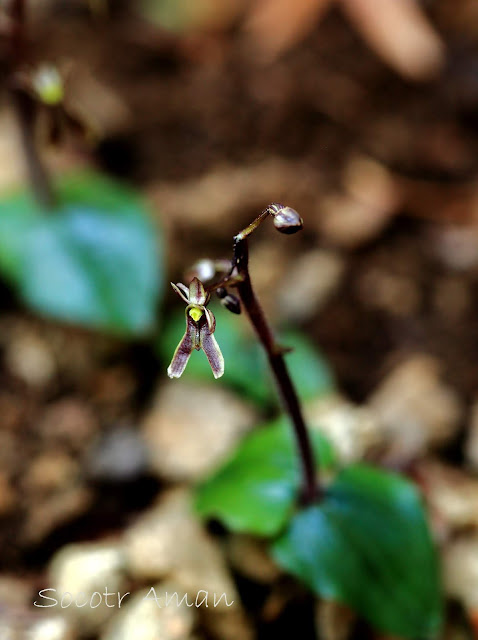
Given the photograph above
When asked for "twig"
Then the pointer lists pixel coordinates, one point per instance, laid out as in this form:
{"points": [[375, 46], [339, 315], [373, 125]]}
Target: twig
{"points": [[25, 109]]}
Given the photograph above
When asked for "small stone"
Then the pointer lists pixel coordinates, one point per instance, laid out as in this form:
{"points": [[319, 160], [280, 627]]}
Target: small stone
{"points": [[334, 620], [23, 624], [117, 455], [45, 515], [309, 283], [391, 292], [142, 618], [361, 212], [29, 357], [68, 422], [353, 430], [416, 409], [451, 494], [52, 628], [228, 625], [95, 104], [170, 540], [370, 182], [82, 570], [460, 570], [249, 556], [191, 429], [15, 592], [49, 472], [54, 493], [456, 246]]}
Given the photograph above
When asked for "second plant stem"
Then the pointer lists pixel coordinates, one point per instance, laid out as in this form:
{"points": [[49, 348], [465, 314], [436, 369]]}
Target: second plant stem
{"points": [[25, 107]]}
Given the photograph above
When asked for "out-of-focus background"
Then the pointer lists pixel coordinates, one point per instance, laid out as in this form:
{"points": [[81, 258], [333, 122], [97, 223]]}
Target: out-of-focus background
{"points": [[360, 114]]}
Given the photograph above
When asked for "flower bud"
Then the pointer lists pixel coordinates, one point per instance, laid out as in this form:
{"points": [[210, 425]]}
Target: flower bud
{"points": [[232, 303], [228, 300], [286, 219]]}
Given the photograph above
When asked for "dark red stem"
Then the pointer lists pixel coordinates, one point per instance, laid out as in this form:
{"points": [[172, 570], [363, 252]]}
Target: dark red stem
{"points": [[310, 487]]}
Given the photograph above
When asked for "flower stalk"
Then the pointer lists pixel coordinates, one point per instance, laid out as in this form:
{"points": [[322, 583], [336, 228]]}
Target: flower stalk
{"points": [[288, 221], [201, 324]]}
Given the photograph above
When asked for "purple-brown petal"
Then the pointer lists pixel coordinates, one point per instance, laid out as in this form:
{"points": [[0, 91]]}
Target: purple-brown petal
{"points": [[197, 292], [212, 351], [182, 291], [189, 342], [211, 320]]}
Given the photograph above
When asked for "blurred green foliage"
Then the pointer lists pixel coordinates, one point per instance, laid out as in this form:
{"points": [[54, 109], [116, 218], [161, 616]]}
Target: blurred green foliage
{"points": [[246, 368], [94, 260]]}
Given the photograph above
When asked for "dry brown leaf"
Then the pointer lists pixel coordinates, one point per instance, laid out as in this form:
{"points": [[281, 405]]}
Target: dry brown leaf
{"points": [[276, 25], [399, 32]]}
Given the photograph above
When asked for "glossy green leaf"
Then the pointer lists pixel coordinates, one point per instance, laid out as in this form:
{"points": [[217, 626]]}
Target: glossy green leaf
{"points": [[246, 368], [94, 260], [367, 545], [256, 490]]}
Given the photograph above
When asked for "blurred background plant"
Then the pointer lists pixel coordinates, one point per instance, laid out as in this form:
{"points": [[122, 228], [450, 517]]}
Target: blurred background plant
{"points": [[170, 125]]}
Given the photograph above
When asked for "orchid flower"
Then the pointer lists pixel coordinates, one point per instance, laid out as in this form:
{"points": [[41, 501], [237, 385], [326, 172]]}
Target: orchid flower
{"points": [[200, 327]]}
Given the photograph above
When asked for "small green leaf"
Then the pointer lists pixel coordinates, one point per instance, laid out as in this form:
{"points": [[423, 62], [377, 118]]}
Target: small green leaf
{"points": [[94, 260], [367, 545], [256, 490], [246, 368]]}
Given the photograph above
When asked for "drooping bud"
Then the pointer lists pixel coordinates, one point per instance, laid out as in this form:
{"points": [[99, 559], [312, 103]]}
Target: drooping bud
{"points": [[232, 303], [229, 300], [286, 219]]}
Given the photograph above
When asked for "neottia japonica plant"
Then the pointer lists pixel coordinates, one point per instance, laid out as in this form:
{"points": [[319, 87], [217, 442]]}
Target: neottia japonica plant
{"points": [[360, 538]]}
